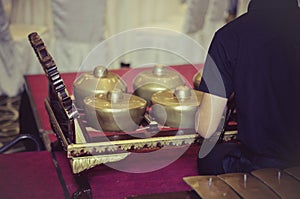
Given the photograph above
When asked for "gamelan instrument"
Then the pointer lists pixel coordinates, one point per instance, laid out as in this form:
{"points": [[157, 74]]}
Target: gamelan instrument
{"points": [[105, 122], [262, 183]]}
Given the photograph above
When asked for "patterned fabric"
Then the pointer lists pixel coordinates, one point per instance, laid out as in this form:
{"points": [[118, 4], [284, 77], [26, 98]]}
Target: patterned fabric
{"points": [[9, 121]]}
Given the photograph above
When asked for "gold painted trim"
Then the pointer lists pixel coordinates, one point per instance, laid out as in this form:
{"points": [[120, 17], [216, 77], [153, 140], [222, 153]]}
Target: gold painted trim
{"points": [[75, 150], [80, 164], [55, 125]]}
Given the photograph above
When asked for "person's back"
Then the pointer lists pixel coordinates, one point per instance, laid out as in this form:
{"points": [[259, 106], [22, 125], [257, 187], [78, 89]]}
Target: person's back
{"points": [[258, 56]]}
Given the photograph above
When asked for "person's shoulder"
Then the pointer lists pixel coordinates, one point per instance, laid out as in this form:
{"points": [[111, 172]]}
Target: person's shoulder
{"points": [[234, 27]]}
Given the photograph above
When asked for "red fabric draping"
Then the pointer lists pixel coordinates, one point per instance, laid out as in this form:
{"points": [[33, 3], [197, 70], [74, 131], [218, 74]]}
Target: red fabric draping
{"points": [[109, 183], [29, 175]]}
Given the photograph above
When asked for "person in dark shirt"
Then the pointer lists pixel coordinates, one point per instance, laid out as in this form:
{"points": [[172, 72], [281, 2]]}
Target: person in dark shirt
{"points": [[256, 57]]}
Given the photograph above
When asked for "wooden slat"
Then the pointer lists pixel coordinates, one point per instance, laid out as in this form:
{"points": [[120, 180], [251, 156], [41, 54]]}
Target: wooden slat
{"points": [[280, 182], [214, 188], [247, 186], [294, 171]]}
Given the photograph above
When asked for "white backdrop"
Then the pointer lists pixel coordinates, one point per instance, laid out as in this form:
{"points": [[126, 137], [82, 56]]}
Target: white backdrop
{"points": [[71, 28]]}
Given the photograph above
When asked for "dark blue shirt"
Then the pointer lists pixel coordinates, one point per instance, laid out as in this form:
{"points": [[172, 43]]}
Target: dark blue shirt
{"points": [[257, 56]]}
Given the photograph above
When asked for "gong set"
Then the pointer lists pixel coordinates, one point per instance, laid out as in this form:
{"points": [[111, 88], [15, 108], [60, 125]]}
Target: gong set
{"points": [[106, 123], [262, 183], [159, 95]]}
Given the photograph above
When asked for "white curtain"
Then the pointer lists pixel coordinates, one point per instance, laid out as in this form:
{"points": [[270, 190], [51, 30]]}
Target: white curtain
{"points": [[10, 78], [203, 18], [37, 12], [26, 17], [71, 28], [145, 47], [130, 14], [242, 7], [78, 27], [127, 14]]}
